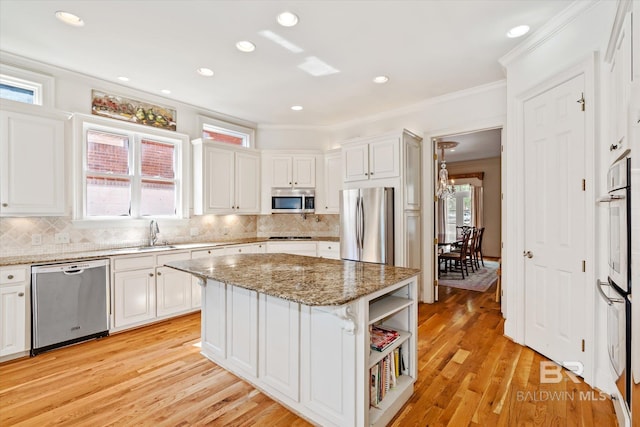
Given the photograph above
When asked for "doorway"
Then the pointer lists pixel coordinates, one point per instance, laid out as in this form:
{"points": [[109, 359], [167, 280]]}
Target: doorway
{"points": [[472, 200]]}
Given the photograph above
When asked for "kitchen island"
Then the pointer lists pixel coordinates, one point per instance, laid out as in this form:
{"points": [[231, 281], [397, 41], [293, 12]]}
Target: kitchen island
{"points": [[298, 328]]}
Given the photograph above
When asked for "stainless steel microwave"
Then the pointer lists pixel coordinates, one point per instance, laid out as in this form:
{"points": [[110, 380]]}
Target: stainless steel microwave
{"points": [[291, 200]]}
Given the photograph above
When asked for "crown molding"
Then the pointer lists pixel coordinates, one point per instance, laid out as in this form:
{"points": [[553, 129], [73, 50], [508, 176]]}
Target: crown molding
{"points": [[624, 6], [547, 31]]}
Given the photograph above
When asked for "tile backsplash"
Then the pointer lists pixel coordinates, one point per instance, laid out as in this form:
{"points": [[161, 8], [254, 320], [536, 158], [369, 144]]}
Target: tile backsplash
{"points": [[16, 233]]}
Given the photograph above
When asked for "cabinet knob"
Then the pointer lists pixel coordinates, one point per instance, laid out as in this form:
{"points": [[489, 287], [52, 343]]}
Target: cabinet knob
{"points": [[4, 205], [370, 173], [150, 274], [209, 252], [295, 183], [20, 294], [289, 183], [326, 207], [10, 276], [329, 247], [159, 273], [366, 174], [239, 250]]}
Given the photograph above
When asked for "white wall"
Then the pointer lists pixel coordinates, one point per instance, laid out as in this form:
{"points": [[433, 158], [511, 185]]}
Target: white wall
{"points": [[580, 43]]}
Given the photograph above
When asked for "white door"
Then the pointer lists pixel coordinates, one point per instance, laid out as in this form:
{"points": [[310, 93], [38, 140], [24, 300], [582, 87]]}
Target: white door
{"points": [[219, 180], [555, 285], [173, 291], [304, 171], [135, 294], [356, 162], [332, 183], [384, 158], [281, 171]]}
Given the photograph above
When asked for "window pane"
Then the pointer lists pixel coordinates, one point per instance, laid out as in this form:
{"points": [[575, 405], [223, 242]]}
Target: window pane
{"points": [[158, 198], [157, 159], [222, 137], [107, 153], [15, 93], [108, 196]]}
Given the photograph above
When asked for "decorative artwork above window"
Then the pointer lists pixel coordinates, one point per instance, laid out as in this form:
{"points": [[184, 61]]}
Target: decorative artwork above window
{"points": [[121, 108]]}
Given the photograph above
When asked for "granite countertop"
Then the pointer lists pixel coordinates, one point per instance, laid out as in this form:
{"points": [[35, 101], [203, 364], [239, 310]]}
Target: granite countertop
{"points": [[84, 255], [307, 280]]}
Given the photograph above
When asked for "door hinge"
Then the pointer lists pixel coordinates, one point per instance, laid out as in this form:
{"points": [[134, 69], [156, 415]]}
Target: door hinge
{"points": [[435, 198], [584, 185], [584, 265], [435, 241], [435, 283], [435, 156], [583, 346], [581, 101]]}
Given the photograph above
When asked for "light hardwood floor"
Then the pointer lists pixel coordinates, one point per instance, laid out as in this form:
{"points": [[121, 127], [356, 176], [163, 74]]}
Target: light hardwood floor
{"points": [[469, 374]]}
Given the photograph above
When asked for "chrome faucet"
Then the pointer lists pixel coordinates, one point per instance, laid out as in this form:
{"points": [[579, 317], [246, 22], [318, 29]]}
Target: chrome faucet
{"points": [[153, 232]]}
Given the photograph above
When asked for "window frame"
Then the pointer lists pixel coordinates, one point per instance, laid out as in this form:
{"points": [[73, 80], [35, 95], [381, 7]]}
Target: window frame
{"points": [[136, 134], [42, 85], [246, 133]]}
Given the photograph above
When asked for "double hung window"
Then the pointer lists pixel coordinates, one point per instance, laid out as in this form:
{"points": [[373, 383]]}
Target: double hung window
{"points": [[130, 174]]}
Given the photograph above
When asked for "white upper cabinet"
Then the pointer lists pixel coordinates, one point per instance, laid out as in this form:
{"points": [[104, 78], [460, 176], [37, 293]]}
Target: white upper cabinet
{"points": [[332, 184], [31, 165], [372, 159], [296, 171], [226, 180]]}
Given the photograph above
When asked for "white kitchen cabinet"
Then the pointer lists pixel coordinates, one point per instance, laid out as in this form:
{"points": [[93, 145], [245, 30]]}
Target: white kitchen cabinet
{"points": [[295, 248], [196, 289], [295, 171], [32, 168], [279, 343], [241, 249], [144, 290], [226, 180], [15, 336], [135, 297], [412, 174], [330, 198], [173, 287], [242, 329], [374, 158], [214, 325], [330, 250]]}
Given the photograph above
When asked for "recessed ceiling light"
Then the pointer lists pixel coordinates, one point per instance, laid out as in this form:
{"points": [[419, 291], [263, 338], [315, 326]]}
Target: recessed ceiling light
{"points": [[518, 31], [380, 79], [69, 18], [123, 79], [166, 91], [245, 46], [287, 19], [207, 72], [296, 107]]}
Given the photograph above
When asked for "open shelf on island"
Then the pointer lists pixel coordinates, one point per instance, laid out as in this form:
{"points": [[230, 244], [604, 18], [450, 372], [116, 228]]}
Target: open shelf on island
{"points": [[386, 306], [381, 412], [376, 356]]}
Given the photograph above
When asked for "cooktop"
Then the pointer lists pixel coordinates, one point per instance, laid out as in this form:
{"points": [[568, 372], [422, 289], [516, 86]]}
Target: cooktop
{"points": [[289, 237]]}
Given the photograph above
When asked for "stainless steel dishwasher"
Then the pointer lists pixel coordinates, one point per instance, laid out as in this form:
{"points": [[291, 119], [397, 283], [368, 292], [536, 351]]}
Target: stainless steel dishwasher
{"points": [[70, 303]]}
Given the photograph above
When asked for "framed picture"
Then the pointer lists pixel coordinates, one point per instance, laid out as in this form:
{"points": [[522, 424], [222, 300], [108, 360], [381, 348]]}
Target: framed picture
{"points": [[121, 108]]}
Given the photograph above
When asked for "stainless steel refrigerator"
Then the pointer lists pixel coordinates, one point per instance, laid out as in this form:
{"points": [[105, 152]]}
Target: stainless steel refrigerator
{"points": [[366, 225]]}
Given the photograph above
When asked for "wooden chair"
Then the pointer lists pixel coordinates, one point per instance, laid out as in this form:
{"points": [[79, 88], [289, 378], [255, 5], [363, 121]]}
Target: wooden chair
{"points": [[459, 259], [477, 250]]}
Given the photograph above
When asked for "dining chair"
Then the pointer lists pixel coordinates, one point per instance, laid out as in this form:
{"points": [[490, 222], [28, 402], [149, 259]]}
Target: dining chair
{"points": [[459, 259], [477, 250]]}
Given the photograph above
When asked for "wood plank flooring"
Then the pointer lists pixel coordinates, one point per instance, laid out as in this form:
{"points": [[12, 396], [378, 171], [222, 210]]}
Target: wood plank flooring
{"points": [[469, 375]]}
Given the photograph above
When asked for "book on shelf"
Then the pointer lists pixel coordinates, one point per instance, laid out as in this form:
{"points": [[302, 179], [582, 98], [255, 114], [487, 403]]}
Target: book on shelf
{"points": [[381, 338], [384, 376]]}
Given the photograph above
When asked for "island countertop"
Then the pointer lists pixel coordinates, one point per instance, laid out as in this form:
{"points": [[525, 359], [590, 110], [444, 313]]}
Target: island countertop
{"points": [[307, 280]]}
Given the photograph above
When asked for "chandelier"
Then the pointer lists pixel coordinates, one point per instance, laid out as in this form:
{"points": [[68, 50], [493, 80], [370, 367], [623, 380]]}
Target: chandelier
{"points": [[445, 189]]}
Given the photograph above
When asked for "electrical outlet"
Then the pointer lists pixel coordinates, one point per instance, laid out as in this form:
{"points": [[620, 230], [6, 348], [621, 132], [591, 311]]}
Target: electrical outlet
{"points": [[61, 238], [194, 231], [36, 239]]}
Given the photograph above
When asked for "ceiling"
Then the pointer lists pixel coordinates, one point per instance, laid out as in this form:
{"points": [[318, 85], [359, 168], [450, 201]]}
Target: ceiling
{"points": [[473, 146], [427, 48]]}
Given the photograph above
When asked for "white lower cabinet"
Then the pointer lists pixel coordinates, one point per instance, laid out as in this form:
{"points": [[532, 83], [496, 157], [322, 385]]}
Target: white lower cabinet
{"points": [[135, 297], [144, 290], [15, 336], [329, 250], [242, 329], [279, 344], [214, 325], [295, 248]]}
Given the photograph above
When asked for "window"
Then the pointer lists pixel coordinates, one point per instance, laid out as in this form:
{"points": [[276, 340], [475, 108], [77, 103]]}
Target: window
{"points": [[130, 175], [227, 133], [26, 86], [458, 209]]}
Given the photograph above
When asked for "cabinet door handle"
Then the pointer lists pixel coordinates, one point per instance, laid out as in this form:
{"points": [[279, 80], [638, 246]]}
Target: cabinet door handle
{"points": [[366, 174], [329, 247], [150, 274], [20, 294], [10, 276], [159, 273], [239, 250], [295, 183], [4, 205], [289, 183], [209, 252]]}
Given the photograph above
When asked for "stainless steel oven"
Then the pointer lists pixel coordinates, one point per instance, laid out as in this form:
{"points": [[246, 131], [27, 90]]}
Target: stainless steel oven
{"points": [[616, 291], [619, 234]]}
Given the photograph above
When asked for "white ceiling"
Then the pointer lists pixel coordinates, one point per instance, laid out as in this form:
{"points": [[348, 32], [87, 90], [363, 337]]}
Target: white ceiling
{"points": [[474, 146], [427, 48]]}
